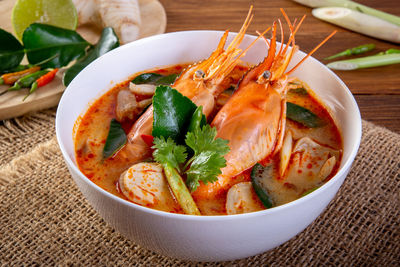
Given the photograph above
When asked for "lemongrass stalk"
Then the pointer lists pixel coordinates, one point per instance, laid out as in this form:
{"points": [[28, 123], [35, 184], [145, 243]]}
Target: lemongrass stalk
{"points": [[354, 6], [180, 190], [365, 62], [359, 22]]}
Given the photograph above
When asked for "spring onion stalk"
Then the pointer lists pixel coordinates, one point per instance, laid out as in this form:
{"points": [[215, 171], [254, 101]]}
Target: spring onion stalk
{"points": [[359, 22], [352, 5], [353, 51], [365, 62]]}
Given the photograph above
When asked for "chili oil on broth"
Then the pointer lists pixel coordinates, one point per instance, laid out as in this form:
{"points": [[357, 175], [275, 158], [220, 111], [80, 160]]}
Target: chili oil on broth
{"points": [[93, 129]]}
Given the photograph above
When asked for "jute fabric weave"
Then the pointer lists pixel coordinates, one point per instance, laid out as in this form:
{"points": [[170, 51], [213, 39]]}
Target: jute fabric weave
{"points": [[44, 219]]}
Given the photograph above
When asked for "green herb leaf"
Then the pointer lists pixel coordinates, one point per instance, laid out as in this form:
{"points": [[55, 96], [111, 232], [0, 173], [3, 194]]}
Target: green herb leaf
{"points": [[168, 152], [44, 41], [303, 116], [208, 157], [167, 80], [203, 139], [259, 174], [108, 41], [154, 78], [205, 167], [198, 119], [116, 139], [299, 91], [11, 51], [172, 113], [146, 78]]}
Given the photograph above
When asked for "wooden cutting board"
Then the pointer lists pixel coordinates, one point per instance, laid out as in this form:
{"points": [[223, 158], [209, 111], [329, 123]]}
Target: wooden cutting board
{"points": [[153, 19]]}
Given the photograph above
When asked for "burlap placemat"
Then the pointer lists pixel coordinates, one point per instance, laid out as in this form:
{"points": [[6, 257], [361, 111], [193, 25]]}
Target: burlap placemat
{"points": [[18, 136], [45, 220]]}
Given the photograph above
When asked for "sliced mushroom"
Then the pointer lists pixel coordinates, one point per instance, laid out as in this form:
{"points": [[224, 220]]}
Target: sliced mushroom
{"points": [[142, 89], [308, 158], [127, 107], [241, 198], [144, 183]]}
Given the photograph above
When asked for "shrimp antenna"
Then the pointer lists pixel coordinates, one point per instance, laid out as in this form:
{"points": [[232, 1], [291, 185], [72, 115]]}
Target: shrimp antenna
{"points": [[245, 25], [282, 37], [259, 36], [293, 30], [247, 48], [265, 39], [312, 52], [227, 57]]}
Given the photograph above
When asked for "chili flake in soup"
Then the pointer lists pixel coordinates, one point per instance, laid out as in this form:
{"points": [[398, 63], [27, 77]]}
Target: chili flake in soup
{"points": [[310, 153]]}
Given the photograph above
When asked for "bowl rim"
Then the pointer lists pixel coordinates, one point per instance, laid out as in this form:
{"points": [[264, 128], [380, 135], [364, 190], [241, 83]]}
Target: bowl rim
{"points": [[342, 171]]}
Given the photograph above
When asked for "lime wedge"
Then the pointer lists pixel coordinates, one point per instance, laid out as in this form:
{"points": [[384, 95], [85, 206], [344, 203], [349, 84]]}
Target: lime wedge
{"points": [[60, 13]]}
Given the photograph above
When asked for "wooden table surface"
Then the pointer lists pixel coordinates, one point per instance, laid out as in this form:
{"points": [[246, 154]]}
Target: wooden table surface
{"points": [[377, 90]]}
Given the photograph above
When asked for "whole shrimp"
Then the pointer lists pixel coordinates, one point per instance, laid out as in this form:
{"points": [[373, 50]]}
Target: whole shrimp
{"points": [[253, 119], [201, 82]]}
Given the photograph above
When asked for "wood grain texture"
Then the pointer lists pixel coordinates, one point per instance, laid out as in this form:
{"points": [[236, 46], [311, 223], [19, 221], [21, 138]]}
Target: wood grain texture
{"points": [[381, 109], [380, 86]]}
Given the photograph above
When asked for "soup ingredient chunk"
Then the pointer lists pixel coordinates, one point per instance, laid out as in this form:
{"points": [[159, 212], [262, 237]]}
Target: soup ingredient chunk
{"points": [[241, 198], [126, 106], [285, 152], [309, 166], [145, 184], [142, 89]]}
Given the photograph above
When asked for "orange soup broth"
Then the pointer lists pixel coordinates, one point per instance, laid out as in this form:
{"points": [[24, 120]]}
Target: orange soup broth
{"points": [[93, 129]]}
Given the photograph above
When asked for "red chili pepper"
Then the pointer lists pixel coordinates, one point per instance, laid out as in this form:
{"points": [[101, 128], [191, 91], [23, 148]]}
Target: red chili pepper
{"points": [[42, 81], [47, 78], [11, 78], [148, 139]]}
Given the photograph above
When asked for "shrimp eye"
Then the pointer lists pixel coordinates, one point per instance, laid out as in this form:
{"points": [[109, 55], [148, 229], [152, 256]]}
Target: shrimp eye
{"points": [[199, 74], [266, 74]]}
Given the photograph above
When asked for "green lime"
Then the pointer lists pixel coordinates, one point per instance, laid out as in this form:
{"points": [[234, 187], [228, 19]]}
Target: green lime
{"points": [[60, 13]]}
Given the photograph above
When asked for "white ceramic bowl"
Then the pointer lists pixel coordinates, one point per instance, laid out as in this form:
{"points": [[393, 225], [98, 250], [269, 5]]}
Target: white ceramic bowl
{"points": [[207, 238]]}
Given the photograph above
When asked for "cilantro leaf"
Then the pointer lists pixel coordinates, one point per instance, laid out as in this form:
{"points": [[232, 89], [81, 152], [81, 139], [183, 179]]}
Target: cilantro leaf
{"points": [[205, 167], [168, 152], [203, 139], [208, 157]]}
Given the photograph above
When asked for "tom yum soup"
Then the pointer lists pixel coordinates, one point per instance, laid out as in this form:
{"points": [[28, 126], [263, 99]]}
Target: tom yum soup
{"points": [[211, 138]]}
